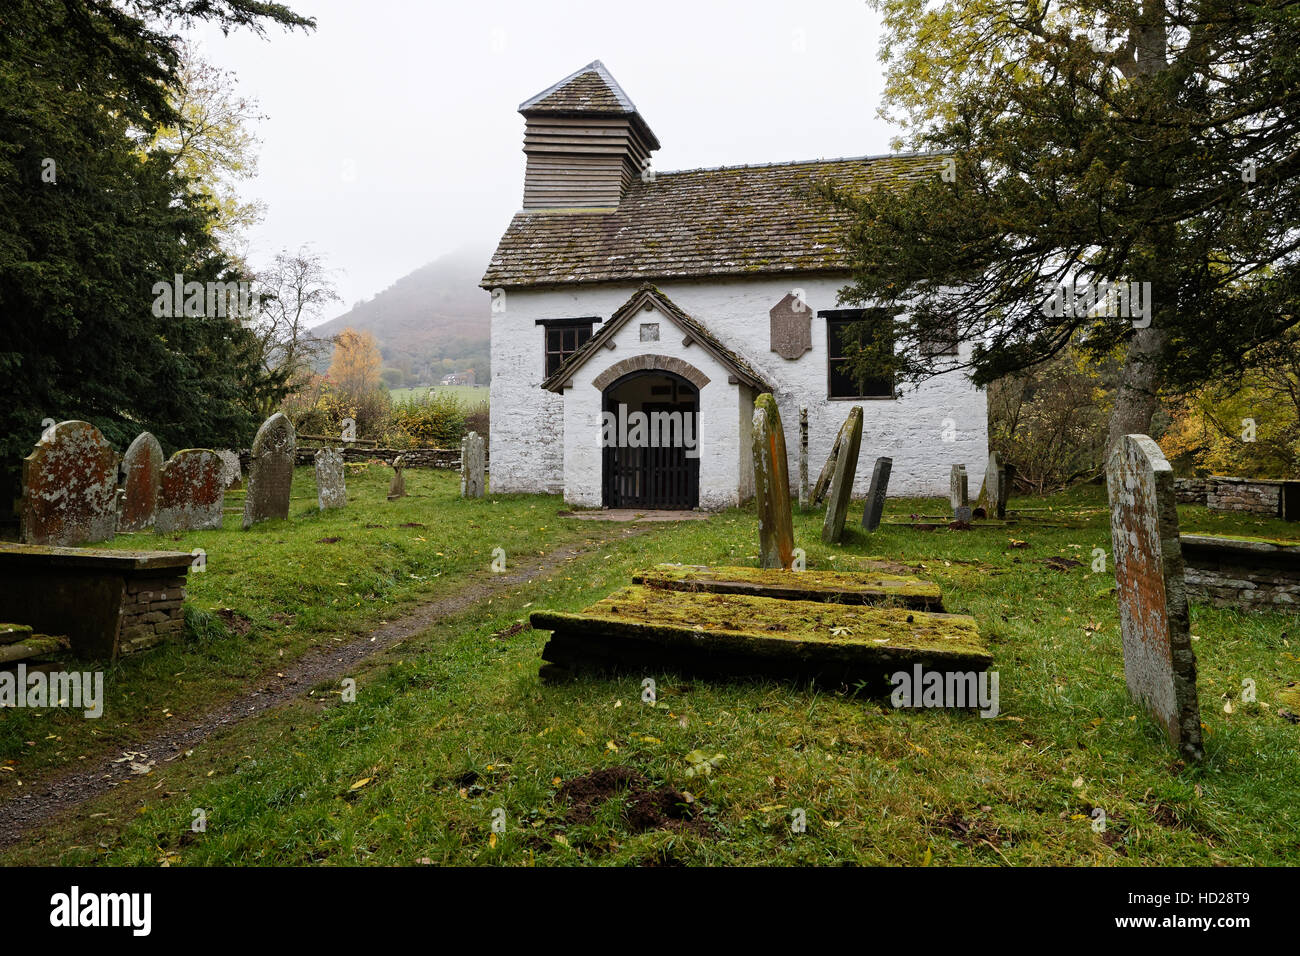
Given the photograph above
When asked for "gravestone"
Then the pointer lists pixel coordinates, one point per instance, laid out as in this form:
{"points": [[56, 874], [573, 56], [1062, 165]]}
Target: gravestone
{"points": [[958, 494], [1005, 476], [231, 472], [270, 471], [991, 474], [803, 458], [876, 493], [471, 465], [331, 488], [142, 465], [191, 492], [791, 327], [398, 487], [846, 468], [69, 487], [828, 469], [1159, 664], [772, 487]]}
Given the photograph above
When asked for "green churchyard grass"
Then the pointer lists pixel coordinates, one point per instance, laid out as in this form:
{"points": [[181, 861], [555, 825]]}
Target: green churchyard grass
{"points": [[454, 752]]}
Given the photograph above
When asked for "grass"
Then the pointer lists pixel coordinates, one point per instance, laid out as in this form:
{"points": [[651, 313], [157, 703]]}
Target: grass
{"points": [[453, 729], [470, 396]]}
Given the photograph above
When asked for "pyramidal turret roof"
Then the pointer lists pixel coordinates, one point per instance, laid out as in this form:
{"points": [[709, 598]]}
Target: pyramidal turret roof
{"points": [[588, 90]]}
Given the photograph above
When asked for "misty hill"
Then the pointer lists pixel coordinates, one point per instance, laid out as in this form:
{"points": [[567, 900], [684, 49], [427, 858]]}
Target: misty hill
{"points": [[429, 323]]}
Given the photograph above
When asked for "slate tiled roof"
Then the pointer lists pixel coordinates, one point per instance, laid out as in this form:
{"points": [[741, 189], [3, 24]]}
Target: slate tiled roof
{"points": [[730, 221], [647, 294], [588, 91]]}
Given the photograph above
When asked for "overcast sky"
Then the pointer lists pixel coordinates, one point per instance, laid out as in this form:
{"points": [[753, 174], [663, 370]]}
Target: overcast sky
{"points": [[392, 134]]}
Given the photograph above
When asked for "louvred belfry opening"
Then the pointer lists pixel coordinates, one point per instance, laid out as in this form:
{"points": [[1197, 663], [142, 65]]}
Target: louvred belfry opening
{"points": [[585, 143]]}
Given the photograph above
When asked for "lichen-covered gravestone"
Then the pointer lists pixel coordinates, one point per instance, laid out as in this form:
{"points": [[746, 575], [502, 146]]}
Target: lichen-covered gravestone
{"points": [[959, 494], [876, 493], [331, 488], [828, 469], [270, 471], [397, 489], [846, 468], [142, 465], [772, 487], [471, 465], [69, 487], [1159, 665], [191, 492]]}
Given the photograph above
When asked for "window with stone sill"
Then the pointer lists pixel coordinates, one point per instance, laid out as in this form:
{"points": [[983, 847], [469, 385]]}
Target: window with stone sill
{"points": [[839, 339]]}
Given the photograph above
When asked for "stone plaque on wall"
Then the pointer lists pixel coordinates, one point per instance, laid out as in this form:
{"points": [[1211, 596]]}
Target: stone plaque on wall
{"points": [[791, 327]]}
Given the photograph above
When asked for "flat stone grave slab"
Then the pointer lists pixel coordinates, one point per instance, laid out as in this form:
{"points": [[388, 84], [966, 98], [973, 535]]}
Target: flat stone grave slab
{"points": [[19, 643], [830, 587], [739, 635], [1238, 571]]}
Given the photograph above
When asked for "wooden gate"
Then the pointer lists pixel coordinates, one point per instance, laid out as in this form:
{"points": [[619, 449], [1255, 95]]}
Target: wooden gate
{"points": [[649, 477]]}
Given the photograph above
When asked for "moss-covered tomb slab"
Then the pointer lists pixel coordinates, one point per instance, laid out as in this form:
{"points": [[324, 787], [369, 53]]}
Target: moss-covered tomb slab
{"points": [[831, 587], [739, 635]]}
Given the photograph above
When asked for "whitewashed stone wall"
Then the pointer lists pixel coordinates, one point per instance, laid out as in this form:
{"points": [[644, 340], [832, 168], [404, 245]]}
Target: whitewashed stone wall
{"points": [[530, 433]]}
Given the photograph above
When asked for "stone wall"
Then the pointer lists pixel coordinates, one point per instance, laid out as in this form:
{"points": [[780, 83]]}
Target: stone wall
{"points": [[152, 611], [1191, 491], [1245, 495], [1232, 572], [415, 457]]}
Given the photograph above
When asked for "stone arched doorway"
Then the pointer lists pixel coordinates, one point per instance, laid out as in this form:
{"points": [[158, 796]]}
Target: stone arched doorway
{"points": [[650, 456]]}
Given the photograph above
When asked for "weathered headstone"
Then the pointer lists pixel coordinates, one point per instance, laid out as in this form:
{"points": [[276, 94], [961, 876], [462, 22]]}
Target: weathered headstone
{"points": [[1006, 474], [270, 471], [772, 487], [142, 465], [828, 469], [991, 474], [191, 493], [331, 487], [958, 493], [876, 493], [846, 468], [803, 458], [398, 487], [471, 465], [1159, 664], [69, 487], [231, 472]]}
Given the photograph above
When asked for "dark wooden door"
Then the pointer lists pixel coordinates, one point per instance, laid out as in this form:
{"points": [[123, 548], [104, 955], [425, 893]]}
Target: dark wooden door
{"points": [[663, 477]]}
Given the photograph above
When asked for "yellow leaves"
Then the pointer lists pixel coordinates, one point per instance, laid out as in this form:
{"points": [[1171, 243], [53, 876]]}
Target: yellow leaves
{"points": [[610, 745], [363, 782], [701, 764], [492, 840]]}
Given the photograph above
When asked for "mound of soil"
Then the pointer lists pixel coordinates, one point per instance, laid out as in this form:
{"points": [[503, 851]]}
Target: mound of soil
{"points": [[646, 807]]}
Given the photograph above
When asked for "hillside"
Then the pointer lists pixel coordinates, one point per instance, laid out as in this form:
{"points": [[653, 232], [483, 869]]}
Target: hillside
{"points": [[429, 323]]}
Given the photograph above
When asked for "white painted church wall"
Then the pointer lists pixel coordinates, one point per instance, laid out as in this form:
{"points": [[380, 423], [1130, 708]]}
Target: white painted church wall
{"points": [[926, 430]]}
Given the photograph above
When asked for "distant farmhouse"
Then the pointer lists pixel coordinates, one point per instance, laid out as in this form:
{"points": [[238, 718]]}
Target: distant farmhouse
{"points": [[466, 377], [617, 291]]}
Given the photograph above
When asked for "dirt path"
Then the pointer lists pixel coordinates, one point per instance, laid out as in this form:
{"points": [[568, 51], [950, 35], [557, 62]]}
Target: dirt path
{"points": [[61, 791]]}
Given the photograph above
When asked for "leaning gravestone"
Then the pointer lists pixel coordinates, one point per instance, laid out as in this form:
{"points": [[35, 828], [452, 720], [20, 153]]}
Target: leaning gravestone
{"points": [[69, 487], [1159, 664], [191, 492], [270, 471], [231, 472], [846, 468], [772, 487], [828, 469], [876, 493], [398, 487], [471, 465], [1006, 474], [331, 488], [142, 464]]}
